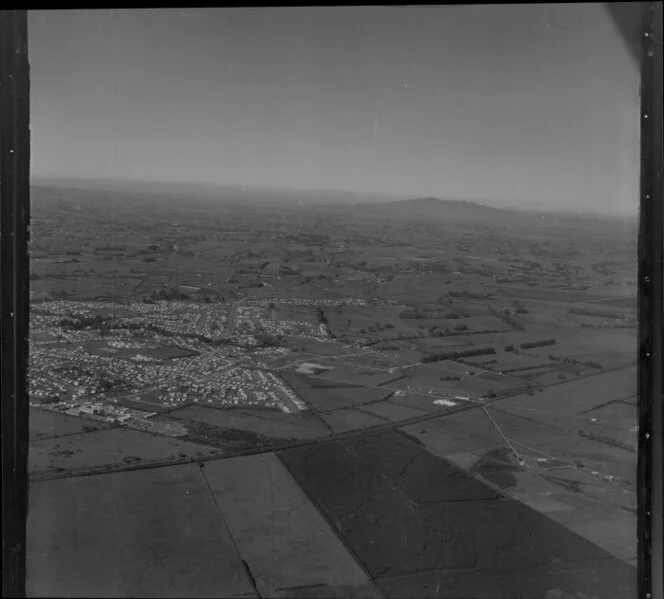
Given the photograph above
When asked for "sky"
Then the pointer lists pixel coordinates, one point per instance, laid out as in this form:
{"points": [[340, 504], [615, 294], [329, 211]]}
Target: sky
{"points": [[533, 106]]}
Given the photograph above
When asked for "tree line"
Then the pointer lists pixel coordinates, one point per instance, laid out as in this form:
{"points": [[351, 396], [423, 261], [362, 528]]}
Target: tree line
{"points": [[531, 344], [468, 353]]}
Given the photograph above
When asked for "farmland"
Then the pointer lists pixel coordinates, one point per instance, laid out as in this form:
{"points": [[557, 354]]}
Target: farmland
{"points": [[135, 299], [164, 335]]}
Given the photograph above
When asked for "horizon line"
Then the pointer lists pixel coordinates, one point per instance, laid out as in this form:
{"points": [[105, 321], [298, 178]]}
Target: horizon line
{"points": [[495, 204]]}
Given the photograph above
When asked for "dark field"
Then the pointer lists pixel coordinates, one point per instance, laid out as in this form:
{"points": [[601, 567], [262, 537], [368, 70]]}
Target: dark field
{"points": [[452, 524]]}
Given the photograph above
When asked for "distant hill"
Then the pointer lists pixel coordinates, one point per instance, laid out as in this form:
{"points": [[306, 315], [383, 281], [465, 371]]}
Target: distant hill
{"points": [[434, 210], [437, 209], [445, 208], [339, 202]]}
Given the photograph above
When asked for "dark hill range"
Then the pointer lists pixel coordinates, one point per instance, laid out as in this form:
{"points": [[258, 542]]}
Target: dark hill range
{"points": [[448, 209], [433, 210], [437, 210]]}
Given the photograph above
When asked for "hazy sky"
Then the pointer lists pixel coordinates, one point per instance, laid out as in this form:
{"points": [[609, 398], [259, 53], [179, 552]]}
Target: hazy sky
{"points": [[531, 105]]}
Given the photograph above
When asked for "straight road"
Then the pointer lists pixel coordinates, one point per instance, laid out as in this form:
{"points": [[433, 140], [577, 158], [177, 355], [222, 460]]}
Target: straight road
{"points": [[232, 316]]}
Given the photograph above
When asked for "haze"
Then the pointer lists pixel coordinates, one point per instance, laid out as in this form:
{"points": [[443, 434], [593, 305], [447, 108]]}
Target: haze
{"points": [[531, 106]]}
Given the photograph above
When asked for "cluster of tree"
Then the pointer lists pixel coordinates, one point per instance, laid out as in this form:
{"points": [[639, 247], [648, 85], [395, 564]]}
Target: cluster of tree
{"points": [[468, 353], [105, 383], [435, 332], [466, 294], [320, 314], [592, 364], [531, 264], [508, 319], [568, 360], [266, 339], [596, 313], [450, 378], [397, 338], [604, 264], [309, 278], [168, 294], [542, 343], [96, 321], [50, 399], [110, 248], [378, 328], [415, 315], [482, 272]]}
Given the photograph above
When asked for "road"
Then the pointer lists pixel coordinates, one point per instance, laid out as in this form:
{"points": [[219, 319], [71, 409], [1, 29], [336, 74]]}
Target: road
{"points": [[604, 299], [232, 316], [202, 320]]}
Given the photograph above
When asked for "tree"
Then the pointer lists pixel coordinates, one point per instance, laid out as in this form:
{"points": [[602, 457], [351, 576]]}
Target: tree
{"points": [[267, 340]]}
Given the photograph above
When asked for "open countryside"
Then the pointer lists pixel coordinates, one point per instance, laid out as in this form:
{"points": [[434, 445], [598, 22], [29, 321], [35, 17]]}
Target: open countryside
{"points": [[417, 357]]}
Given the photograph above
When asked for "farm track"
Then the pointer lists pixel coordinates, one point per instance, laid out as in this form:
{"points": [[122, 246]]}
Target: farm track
{"points": [[282, 446]]}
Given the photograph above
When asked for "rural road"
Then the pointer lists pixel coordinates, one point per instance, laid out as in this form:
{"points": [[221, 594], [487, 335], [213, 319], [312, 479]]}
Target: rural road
{"points": [[232, 315], [202, 319]]}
